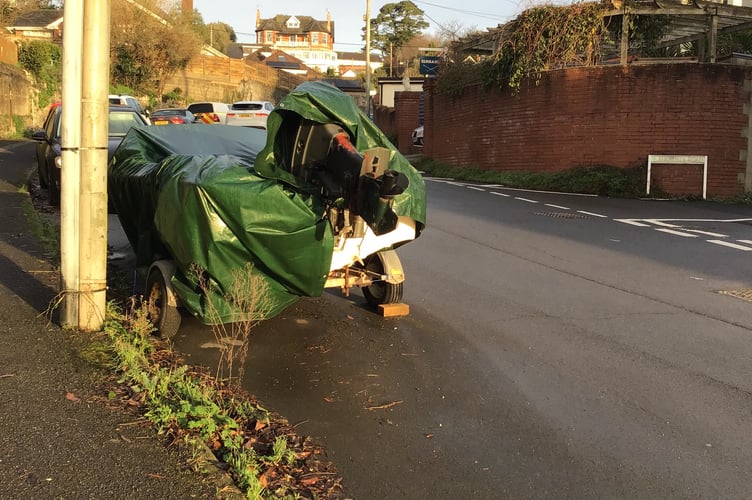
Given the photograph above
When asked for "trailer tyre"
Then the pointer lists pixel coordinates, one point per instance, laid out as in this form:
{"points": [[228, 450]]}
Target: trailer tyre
{"points": [[160, 299], [380, 292]]}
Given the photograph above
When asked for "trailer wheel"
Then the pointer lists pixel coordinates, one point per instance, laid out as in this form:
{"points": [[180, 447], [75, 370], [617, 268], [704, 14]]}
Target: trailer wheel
{"points": [[380, 292], [161, 303]]}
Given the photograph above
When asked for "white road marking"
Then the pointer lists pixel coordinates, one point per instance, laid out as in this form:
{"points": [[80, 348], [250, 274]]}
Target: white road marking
{"points": [[593, 214], [557, 206], [525, 199], [501, 186], [632, 222], [475, 188], [701, 220], [501, 194], [748, 242], [730, 245], [677, 233], [707, 233], [659, 223]]}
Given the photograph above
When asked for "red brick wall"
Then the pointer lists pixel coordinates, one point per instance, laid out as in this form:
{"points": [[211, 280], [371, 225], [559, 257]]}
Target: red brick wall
{"points": [[676, 179], [407, 117], [610, 115], [385, 118]]}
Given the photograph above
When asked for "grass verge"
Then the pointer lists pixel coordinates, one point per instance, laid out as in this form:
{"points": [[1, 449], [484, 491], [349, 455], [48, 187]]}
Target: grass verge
{"points": [[259, 449], [601, 180], [264, 455]]}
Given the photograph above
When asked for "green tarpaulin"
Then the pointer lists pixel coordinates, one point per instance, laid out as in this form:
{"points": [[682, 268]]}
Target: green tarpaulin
{"points": [[215, 198]]}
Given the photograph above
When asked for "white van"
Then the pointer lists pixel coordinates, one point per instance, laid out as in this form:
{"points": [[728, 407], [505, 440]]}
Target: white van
{"points": [[210, 112]]}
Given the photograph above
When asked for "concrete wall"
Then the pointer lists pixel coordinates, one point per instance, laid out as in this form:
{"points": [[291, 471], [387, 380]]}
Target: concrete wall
{"points": [[611, 115]]}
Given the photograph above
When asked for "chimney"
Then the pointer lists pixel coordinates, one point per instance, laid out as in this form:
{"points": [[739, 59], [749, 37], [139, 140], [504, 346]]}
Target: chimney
{"points": [[187, 6], [258, 17], [328, 21]]}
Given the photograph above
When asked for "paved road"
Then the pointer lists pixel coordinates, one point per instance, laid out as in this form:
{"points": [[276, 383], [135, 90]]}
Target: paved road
{"points": [[557, 347]]}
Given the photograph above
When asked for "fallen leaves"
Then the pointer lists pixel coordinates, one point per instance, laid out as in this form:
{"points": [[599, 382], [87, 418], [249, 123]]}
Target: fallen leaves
{"points": [[72, 397]]}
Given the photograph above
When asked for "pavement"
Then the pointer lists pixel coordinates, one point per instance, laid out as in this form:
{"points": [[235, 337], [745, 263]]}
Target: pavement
{"points": [[58, 439]]}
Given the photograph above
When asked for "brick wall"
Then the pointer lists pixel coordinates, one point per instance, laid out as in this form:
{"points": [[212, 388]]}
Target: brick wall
{"points": [[677, 179], [407, 117], [611, 115], [385, 117]]}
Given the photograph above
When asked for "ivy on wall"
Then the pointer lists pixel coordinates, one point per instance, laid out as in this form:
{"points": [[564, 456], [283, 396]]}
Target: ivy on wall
{"points": [[44, 61], [540, 39], [547, 37]]}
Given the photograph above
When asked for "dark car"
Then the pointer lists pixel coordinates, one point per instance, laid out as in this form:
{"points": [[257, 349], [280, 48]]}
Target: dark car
{"points": [[121, 120], [173, 116]]}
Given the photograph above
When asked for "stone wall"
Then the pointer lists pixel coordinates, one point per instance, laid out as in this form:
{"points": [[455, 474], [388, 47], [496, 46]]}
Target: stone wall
{"points": [[227, 80], [17, 98]]}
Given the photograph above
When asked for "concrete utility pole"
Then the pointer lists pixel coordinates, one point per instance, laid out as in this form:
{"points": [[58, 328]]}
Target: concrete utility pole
{"points": [[368, 57], [70, 135], [84, 179]]}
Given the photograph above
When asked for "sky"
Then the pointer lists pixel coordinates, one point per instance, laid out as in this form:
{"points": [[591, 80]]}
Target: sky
{"points": [[348, 15]]}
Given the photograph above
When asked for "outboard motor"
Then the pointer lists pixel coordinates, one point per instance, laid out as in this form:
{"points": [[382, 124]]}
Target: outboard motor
{"points": [[357, 187]]}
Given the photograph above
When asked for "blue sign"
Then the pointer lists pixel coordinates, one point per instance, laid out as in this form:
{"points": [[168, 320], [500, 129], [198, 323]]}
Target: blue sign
{"points": [[429, 65]]}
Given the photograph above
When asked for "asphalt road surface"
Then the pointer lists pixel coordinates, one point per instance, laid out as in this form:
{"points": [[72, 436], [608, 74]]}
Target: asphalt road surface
{"points": [[557, 346]]}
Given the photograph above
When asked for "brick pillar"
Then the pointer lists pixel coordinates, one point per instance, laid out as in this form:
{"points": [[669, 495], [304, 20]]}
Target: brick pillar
{"points": [[407, 112], [429, 85]]}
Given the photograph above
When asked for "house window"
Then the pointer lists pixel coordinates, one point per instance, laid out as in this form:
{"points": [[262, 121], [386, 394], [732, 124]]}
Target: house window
{"points": [[294, 38], [324, 40], [269, 37], [314, 38]]}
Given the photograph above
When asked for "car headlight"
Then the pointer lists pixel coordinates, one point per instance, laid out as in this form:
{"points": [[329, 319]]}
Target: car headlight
{"points": [[58, 161]]}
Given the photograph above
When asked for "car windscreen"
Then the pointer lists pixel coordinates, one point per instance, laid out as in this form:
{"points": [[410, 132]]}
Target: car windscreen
{"points": [[169, 112], [247, 106], [122, 121], [201, 108]]}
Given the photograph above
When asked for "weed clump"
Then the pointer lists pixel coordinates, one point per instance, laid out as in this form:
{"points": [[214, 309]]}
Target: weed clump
{"points": [[263, 454]]}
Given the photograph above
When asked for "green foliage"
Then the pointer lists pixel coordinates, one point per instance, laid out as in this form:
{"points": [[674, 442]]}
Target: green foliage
{"points": [[547, 37], [175, 398], [395, 25], [644, 33], [174, 96], [455, 77], [144, 51], [44, 230], [219, 35], [600, 180], [18, 125], [737, 41], [44, 61], [118, 88]]}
